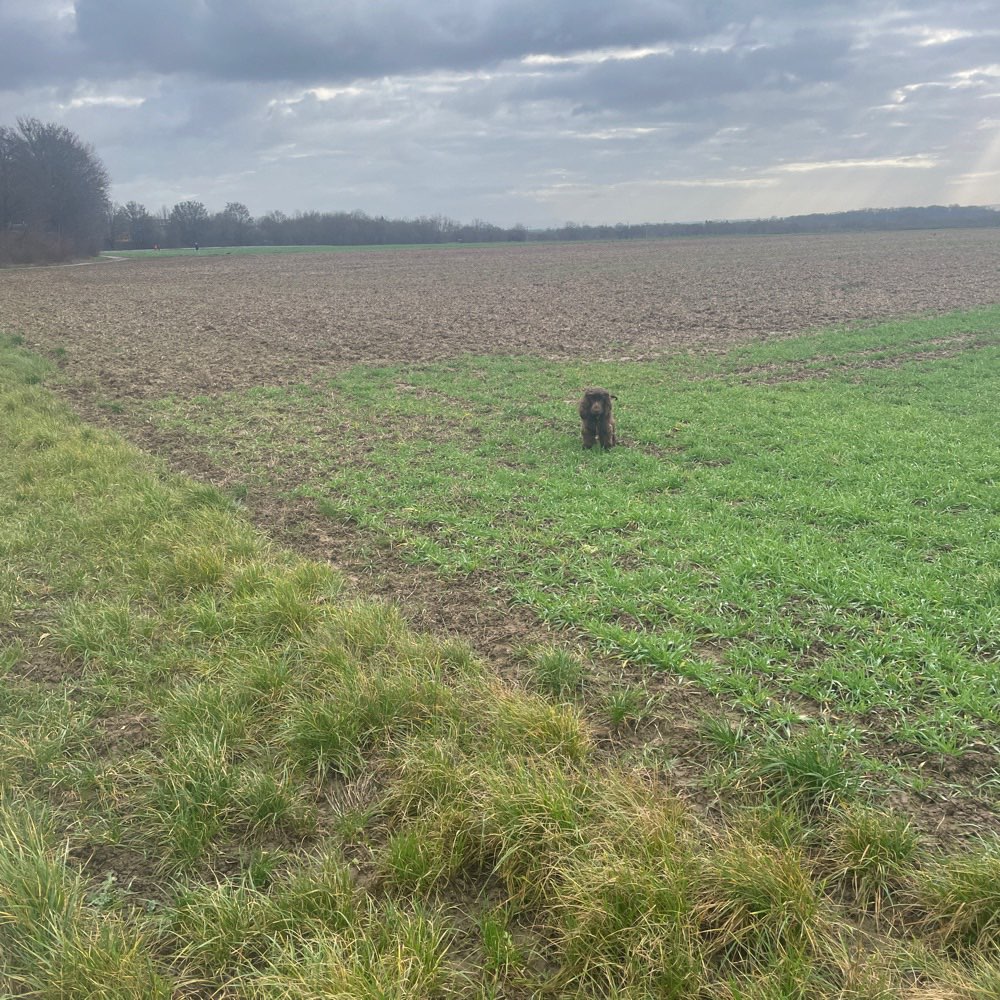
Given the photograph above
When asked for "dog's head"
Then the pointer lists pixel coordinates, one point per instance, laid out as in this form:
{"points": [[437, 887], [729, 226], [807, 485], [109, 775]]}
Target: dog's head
{"points": [[596, 402]]}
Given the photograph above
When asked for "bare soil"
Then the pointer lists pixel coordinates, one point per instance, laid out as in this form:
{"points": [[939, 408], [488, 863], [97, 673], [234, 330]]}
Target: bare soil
{"points": [[190, 325]]}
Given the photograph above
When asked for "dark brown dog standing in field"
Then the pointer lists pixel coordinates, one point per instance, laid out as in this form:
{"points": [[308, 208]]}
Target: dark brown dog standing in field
{"points": [[598, 421]]}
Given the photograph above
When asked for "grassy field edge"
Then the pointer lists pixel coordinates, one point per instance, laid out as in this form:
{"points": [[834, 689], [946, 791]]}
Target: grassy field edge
{"points": [[223, 775]]}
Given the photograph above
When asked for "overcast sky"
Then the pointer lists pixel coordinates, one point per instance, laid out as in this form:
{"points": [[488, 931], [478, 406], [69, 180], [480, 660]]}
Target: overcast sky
{"points": [[532, 111]]}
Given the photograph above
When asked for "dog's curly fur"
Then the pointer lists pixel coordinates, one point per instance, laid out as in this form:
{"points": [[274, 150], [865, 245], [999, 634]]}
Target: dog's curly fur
{"points": [[596, 417]]}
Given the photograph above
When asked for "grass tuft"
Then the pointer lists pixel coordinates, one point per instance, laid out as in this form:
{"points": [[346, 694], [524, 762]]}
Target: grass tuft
{"points": [[959, 896], [812, 770], [873, 851], [629, 924], [627, 706], [757, 902], [558, 672]]}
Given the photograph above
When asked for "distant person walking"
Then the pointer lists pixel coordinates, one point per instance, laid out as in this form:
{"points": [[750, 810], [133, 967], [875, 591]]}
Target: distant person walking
{"points": [[196, 248]]}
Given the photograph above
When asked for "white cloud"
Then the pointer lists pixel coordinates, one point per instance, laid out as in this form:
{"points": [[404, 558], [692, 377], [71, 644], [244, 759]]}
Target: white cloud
{"points": [[918, 162], [940, 36], [596, 56], [978, 175], [991, 71], [108, 101], [614, 134], [719, 182]]}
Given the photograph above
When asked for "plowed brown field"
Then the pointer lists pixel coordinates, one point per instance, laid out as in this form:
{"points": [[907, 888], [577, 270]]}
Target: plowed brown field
{"points": [[145, 328]]}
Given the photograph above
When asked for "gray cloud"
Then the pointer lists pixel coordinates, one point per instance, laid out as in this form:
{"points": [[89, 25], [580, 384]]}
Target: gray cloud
{"points": [[694, 77], [310, 40], [35, 43], [516, 110]]}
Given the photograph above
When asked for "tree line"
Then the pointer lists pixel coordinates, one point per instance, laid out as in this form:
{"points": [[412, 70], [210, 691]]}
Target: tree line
{"points": [[189, 223], [853, 221], [53, 194]]}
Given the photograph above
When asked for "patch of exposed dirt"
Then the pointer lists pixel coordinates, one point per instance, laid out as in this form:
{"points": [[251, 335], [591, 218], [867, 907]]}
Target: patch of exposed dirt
{"points": [[36, 659], [123, 732], [121, 870], [943, 820], [43, 665]]}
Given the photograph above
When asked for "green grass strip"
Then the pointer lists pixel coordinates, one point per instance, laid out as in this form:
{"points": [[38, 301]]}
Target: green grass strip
{"points": [[256, 250]]}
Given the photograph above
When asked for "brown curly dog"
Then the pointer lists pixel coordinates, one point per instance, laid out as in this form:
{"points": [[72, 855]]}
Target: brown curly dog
{"points": [[598, 421]]}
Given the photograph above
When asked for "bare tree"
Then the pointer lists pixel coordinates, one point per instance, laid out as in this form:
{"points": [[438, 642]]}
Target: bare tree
{"points": [[188, 223], [8, 211], [234, 225], [143, 229], [60, 187]]}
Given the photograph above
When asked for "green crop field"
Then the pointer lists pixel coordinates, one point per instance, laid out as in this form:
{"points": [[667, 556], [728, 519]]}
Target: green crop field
{"points": [[222, 251], [225, 773]]}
